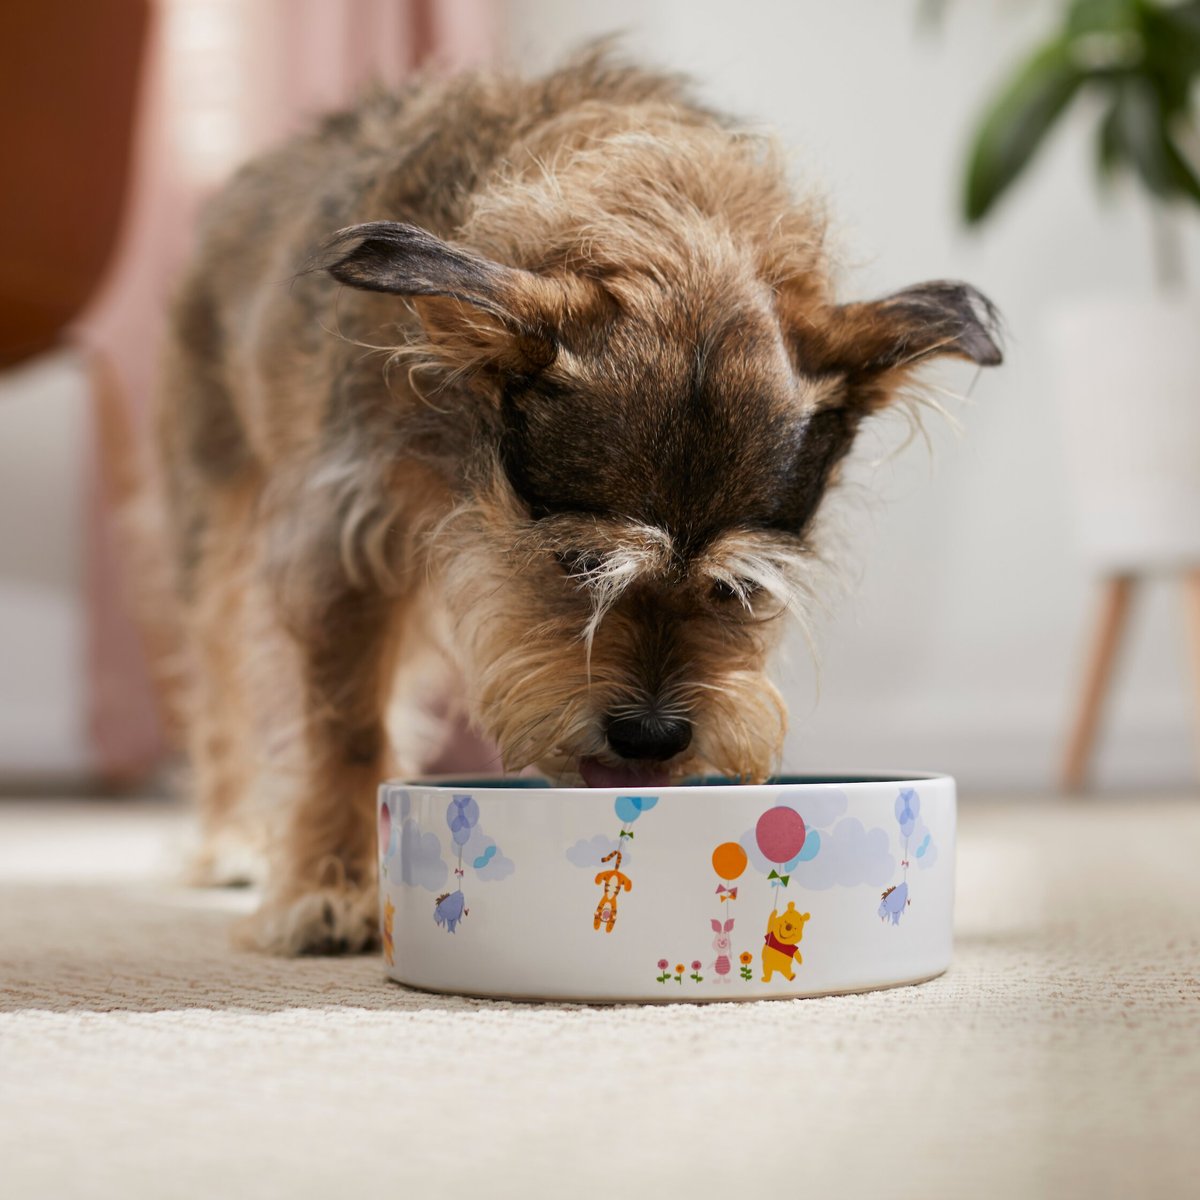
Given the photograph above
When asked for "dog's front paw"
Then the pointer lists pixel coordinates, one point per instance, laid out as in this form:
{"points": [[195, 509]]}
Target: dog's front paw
{"points": [[323, 921]]}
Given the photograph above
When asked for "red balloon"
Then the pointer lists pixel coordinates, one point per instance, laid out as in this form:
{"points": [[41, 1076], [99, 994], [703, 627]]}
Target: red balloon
{"points": [[780, 834]]}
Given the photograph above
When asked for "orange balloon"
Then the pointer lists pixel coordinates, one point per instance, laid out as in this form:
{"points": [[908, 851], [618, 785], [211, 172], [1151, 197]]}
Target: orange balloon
{"points": [[729, 860]]}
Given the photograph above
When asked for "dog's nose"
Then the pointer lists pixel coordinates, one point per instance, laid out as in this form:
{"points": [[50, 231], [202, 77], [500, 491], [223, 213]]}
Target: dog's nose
{"points": [[648, 736]]}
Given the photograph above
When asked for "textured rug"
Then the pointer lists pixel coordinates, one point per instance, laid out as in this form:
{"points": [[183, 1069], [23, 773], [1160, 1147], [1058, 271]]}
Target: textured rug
{"points": [[140, 1055]]}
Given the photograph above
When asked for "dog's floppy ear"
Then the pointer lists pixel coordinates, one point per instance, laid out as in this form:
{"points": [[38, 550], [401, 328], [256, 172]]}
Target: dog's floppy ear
{"points": [[871, 349], [875, 343], [478, 314]]}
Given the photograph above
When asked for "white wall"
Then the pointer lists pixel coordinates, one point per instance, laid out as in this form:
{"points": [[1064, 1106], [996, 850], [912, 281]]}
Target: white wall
{"points": [[962, 644]]}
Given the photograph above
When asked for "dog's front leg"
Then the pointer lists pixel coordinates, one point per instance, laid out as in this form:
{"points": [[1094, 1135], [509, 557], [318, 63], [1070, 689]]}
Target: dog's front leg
{"points": [[322, 893]]}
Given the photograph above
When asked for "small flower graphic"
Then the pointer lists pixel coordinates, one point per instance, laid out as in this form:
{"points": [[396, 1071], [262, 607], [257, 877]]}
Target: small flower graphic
{"points": [[679, 970], [662, 964], [696, 971], [745, 958], [695, 964], [663, 973]]}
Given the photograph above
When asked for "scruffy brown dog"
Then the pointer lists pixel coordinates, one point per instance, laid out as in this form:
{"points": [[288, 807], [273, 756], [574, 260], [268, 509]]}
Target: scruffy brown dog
{"points": [[556, 404]]}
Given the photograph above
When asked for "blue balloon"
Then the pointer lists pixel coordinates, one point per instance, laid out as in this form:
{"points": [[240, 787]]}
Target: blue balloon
{"points": [[908, 806], [788, 867], [485, 858], [812, 845], [646, 803], [461, 836], [628, 809], [924, 845], [462, 809]]}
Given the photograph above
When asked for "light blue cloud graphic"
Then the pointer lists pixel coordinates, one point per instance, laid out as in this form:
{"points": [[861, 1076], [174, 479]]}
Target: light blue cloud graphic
{"points": [[850, 856], [587, 852], [486, 858], [819, 807], [421, 863], [500, 867]]}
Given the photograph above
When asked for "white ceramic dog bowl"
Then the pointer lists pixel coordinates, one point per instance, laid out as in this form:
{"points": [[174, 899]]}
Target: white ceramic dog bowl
{"points": [[717, 891]]}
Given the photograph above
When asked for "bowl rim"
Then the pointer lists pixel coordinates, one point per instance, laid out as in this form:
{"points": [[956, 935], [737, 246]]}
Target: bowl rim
{"points": [[788, 783]]}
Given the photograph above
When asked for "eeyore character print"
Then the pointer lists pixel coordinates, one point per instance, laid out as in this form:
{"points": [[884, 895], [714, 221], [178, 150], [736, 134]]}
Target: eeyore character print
{"points": [[893, 903], [449, 909]]}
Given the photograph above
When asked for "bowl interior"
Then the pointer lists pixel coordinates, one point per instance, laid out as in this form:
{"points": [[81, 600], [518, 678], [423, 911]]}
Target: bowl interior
{"points": [[532, 782]]}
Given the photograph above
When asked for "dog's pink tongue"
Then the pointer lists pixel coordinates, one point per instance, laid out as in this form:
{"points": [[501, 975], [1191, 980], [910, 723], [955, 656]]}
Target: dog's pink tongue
{"points": [[600, 775]]}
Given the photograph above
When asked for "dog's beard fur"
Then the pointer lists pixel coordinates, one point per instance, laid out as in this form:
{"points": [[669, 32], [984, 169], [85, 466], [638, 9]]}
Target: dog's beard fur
{"points": [[551, 656]]}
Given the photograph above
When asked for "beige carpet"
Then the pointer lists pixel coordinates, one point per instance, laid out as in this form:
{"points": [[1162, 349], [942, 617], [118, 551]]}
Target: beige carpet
{"points": [[141, 1056]]}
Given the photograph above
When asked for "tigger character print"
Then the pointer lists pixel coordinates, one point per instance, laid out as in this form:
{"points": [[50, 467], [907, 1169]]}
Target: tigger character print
{"points": [[611, 882]]}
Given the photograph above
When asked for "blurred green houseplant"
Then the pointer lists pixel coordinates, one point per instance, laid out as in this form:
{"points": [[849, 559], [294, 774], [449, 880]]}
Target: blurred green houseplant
{"points": [[1141, 58]]}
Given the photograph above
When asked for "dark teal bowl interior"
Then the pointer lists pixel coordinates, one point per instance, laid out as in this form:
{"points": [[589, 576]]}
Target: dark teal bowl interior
{"points": [[535, 781]]}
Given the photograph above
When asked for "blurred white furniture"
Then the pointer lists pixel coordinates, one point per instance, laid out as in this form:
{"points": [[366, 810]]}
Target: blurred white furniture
{"points": [[1127, 376]]}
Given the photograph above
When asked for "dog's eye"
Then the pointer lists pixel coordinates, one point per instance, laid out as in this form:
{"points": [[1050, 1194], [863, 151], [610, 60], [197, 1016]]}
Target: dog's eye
{"points": [[724, 592], [579, 563]]}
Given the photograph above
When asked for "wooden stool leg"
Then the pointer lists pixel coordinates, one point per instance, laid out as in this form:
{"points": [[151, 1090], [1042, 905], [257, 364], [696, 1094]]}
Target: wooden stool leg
{"points": [[1114, 609], [1191, 601]]}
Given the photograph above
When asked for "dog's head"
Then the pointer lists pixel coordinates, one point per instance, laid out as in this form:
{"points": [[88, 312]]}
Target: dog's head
{"points": [[652, 440]]}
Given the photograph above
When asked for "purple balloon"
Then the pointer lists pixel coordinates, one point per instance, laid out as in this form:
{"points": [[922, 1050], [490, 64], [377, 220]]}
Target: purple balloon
{"points": [[462, 809]]}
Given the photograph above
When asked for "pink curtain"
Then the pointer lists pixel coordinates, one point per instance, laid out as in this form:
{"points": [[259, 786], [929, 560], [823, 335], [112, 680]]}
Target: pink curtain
{"points": [[292, 59]]}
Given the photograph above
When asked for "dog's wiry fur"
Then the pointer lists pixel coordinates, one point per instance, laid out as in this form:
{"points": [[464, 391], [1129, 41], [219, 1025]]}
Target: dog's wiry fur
{"points": [[546, 378]]}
